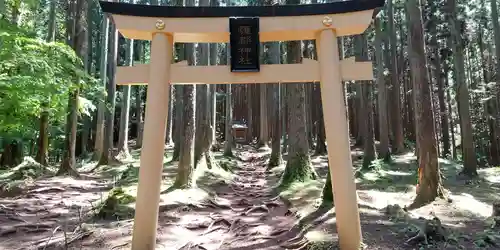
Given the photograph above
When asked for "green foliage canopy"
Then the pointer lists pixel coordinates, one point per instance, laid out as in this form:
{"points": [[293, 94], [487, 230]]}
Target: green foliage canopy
{"points": [[32, 72]]}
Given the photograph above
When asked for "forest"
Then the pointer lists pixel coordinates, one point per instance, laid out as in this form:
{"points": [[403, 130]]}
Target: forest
{"points": [[245, 165]]}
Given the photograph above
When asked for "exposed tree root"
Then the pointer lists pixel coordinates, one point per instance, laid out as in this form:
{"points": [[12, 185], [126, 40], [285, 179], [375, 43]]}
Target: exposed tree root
{"points": [[244, 202], [216, 204], [430, 230], [237, 230], [256, 208], [279, 232], [46, 190], [192, 246], [219, 220], [26, 228], [119, 245], [195, 226], [295, 245], [63, 241], [396, 212]]}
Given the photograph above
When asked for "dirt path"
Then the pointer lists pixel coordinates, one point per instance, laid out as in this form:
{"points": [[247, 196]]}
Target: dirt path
{"points": [[47, 212], [245, 215]]}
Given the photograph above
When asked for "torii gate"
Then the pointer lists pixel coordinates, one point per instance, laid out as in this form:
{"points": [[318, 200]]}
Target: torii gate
{"points": [[244, 28]]}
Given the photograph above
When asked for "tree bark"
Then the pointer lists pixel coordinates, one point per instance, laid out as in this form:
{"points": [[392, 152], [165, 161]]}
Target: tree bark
{"points": [[384, 151], [370, 153], [78, 39], [43, 139], [397, 122], [107, 155], [321, 135], [468, 148], [99, 135], [298, 167], [493, 103], [228, 146], [429, 178], [187, 127], [186, 160], [123, 152]]}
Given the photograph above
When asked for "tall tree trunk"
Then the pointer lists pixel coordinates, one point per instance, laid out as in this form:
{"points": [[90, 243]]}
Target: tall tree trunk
{"points": [[370, 153], [468, 148], [107, 155], [213, 88], [450, 112], [186, 160], [249, 105], [263, 117], [321, 134], [275, 159], [438, 74], [384, 151], [493, 103], [298, 167], [181, 51], [397, 122], [429, 177], [43, 139], [179, 114], [203, 128], [123, 152], [78, 40], [187, 126], [99, 134], [168, 133], [228, 146]]}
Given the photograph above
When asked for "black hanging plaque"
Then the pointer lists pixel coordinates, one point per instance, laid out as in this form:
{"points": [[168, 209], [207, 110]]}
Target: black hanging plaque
{"points": [[244, 43]]}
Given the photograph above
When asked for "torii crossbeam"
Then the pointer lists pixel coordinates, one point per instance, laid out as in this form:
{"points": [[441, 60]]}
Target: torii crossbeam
{"points": [[244, 28]]}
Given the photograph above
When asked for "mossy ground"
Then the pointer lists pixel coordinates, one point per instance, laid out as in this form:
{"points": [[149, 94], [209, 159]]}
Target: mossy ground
{"points": [[298, 169], [394, 183], [116, 205], [119, 203], [13, 180]]}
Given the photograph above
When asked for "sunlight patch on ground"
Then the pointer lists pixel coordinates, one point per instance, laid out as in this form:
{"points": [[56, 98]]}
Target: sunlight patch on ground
{"points": [[406, 158], [396, 173], [379, 199], [194, 218], [467, 202], [174, 237], [490, 174], [319, 161], [304, 196], [278, 170], [184, 196], [318, 235]]}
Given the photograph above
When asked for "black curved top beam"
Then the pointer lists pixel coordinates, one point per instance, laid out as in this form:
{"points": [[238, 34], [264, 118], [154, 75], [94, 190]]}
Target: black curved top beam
{"points": [[261, 11]]}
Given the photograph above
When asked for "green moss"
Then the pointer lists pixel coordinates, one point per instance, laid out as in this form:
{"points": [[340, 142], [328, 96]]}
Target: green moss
{"points": [[327, 189], [298, 169], [128, 176], [228, 165], [274, 161], [28, 169], [321, 245], [115, 205]]}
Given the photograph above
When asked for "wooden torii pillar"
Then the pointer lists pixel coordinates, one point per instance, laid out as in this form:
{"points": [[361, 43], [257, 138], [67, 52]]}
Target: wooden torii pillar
{"points": [[164, 26]]}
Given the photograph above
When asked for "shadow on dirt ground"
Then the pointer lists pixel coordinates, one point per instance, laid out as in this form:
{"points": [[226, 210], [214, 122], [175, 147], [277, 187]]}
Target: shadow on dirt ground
{"points": [[465, 216], [236, 206]]}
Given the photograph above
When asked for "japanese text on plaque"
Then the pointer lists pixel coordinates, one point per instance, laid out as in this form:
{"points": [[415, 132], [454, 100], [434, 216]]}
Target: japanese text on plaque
{"points": [[245, 43]]}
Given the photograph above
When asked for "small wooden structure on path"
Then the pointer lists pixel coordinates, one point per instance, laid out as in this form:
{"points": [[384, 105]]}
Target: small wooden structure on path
{"points": [[244, 28]]}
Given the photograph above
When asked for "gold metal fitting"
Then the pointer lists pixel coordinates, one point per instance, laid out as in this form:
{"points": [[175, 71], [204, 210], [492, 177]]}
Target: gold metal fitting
{"points": [[327, 21], [160, 25]]}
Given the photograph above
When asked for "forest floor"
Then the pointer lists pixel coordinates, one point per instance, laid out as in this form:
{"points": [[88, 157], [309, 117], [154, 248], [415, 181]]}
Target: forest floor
{"points": [[236, 205]]}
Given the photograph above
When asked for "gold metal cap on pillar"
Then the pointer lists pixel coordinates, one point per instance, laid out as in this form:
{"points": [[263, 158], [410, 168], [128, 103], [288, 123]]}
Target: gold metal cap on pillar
{"points": [[160, 25], [327, 21]]}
